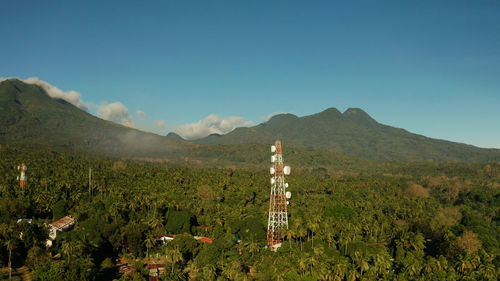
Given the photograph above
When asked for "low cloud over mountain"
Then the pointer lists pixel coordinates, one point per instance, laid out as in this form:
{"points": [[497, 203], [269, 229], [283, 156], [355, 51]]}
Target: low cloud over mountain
{"points": [[116, 112], [212, 124], [73, 97]]}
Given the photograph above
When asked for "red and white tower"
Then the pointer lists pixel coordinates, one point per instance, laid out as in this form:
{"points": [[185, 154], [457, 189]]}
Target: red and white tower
{"points": [[22, 179], [278, 217]]}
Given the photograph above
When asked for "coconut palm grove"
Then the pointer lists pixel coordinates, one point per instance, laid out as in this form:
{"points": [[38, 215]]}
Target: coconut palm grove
{"points": [[200, 211]]}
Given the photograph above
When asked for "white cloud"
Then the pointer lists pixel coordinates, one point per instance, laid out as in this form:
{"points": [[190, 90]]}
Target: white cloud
{"points": [[72, 97], [141, 113], [211, 125], [115, 112], [161, 124], [266, 118]]}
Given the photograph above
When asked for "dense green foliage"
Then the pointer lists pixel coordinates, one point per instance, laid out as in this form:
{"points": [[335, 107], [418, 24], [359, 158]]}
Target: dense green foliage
{"points": [[350, 218], [393, 221]]}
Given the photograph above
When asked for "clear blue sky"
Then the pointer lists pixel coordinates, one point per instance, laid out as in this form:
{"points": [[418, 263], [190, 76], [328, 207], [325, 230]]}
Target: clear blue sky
{"points": [[431, 67]]}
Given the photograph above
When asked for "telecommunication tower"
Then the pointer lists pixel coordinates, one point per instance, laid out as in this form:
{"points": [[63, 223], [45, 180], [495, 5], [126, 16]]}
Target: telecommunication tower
{"points": [[22, 179], [278, 217]]}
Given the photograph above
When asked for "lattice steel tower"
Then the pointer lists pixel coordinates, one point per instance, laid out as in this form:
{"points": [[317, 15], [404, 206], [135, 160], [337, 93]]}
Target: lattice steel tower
{"points": [[22, 178], [278, 217]]}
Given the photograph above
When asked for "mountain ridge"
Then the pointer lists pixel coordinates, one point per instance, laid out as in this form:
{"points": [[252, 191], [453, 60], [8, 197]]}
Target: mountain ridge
{"points": [[354, 132], [29, 117]]}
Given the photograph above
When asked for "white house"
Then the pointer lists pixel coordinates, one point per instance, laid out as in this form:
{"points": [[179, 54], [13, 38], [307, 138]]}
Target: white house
{"points": [[58, 226]]}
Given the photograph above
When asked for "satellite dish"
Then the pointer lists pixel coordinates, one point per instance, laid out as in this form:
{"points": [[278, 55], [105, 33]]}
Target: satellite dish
{"points": [[272, 171], [286, 170], [273, 158], [286, 185], [287, 202], [273, 180], [288, 195], [273, 148]]}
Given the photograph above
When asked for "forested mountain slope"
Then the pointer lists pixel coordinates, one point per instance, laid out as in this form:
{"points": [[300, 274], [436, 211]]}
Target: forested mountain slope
{"points": [[353, 133], [28, 116]]}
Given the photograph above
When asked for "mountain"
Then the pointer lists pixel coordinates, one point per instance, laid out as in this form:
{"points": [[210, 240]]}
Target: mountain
{"points": [[355, 133], [31, 121], [29, 117]]}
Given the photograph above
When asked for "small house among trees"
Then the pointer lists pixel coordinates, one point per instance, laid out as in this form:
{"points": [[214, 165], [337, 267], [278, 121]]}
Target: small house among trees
{"points": [[58, 226]]}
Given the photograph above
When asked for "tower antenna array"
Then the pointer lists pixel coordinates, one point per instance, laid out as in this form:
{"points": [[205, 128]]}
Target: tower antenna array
{"points": [[278, 217]]}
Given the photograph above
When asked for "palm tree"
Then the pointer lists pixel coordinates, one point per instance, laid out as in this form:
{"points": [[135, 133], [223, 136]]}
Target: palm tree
{"points": [[324, 273], [156, 222], [10, 246], [231, 270], [412, 264], [313, 260], [314, 228], [287, 233], [361, 262], [290, 233], [114, 211], [302, 264], [329, 237], [488, 271], [319, 251], [340, 270], [417, 242], [348, 236], [208, 272], [150, 242], [382, 263], [352, 274], [68, 248], [173, 257], [253, 248], [301, 233]]}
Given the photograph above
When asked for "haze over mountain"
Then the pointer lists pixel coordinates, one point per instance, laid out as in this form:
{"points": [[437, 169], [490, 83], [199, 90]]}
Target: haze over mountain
{"points": [[28, 116]]}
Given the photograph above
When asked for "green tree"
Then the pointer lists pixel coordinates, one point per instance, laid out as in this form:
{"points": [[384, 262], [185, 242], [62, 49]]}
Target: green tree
{"points": [[9, 243], [150, 242], [36, 256], [173, 257], [49, 271]]}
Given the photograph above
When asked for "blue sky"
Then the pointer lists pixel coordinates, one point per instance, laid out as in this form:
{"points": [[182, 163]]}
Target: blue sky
{"points": [[431, 67]]}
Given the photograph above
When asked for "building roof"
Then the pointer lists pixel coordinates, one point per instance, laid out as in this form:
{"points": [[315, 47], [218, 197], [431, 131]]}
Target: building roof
{"points": [[63, 223], [204, 239]]}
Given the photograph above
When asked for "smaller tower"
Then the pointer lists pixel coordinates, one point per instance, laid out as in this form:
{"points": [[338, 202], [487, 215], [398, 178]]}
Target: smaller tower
{"points": [[22, 179]]}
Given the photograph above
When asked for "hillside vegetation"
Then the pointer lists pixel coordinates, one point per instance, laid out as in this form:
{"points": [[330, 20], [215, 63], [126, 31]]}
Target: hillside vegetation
{"points": [[353, 133], [351, 216], [413, 222], [29, 117]]}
